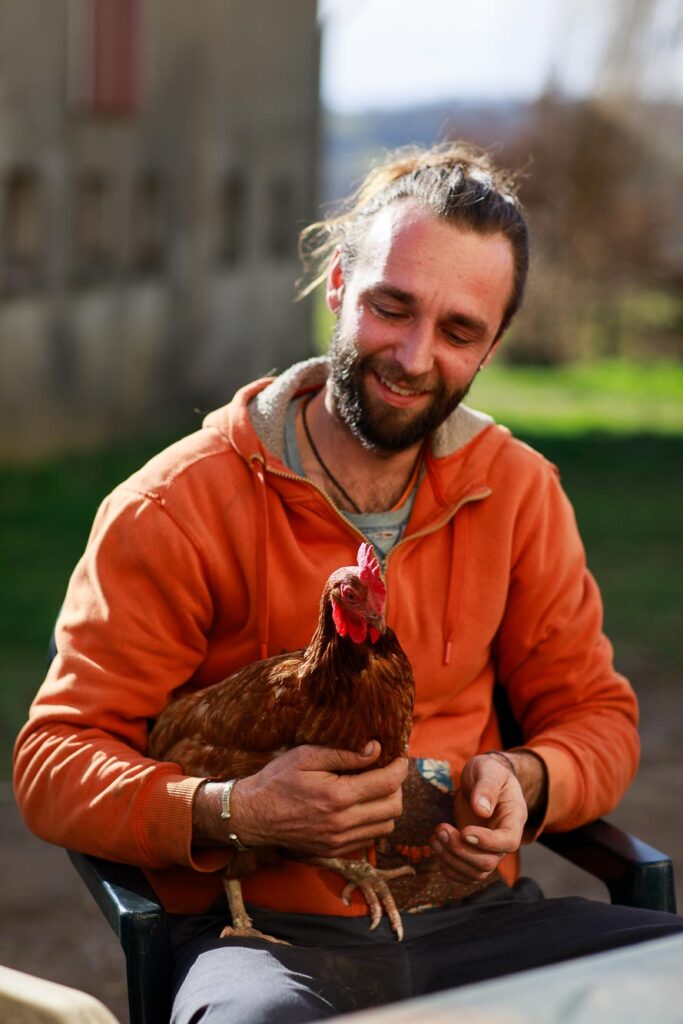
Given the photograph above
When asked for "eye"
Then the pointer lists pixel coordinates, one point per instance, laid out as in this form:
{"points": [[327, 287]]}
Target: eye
{"points": [[458, 339], [385, 312], [349, 595]]}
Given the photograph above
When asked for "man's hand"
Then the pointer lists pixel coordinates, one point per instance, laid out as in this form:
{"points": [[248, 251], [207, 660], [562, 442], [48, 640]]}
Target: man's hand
{"points": [[496, 795], [300, 801]]}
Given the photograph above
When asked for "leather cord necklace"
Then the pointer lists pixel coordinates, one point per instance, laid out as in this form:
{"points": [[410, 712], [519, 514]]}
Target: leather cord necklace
{"points": [[321, 462]]}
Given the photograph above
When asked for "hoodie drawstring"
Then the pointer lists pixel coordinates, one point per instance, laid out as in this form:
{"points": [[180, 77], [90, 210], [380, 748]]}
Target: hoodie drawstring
{"points": [[257, 464], [454, 588]]}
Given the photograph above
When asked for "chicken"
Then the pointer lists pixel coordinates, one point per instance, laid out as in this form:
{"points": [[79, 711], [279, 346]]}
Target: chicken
{"points": [[352, 684]]}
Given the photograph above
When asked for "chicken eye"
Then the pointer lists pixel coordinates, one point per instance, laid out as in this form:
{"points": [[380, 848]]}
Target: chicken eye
{"points": [[349, 595]]}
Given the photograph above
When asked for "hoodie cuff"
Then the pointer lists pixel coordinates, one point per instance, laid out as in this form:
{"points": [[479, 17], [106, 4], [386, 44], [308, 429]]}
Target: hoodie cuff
{"points": [[562, 788], [166, 826]]}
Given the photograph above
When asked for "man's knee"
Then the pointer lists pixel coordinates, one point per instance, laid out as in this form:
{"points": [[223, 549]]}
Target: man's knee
{"points": [[245, 985]]}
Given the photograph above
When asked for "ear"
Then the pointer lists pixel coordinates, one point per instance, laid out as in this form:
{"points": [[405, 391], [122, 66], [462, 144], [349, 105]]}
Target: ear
{"points": [[335, 283]]}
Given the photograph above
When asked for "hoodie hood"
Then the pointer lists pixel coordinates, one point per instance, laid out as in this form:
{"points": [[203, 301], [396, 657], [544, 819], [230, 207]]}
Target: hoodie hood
{"points": [[254, 422]]}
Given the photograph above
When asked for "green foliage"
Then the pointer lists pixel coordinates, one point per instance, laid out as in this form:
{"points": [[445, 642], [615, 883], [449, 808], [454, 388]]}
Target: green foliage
{"points": [[323, 321], [627, 493], [46, 511]]}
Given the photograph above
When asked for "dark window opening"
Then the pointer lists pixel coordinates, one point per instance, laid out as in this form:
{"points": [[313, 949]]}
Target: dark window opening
{"points": [[93, 227], [233, 218], [281, 233], [148, 223], [22, 230]]}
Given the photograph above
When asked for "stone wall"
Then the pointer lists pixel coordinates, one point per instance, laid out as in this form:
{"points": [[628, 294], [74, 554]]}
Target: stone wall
{"points": [[148, 249]]}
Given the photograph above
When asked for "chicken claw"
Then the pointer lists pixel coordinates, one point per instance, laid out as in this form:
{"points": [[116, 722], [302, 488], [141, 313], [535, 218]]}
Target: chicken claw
{"points": [[372, 881], [241, 921], [250, 933]]}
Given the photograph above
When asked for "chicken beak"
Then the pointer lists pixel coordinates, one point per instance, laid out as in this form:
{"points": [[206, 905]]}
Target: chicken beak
{"points": [[378, 622]]}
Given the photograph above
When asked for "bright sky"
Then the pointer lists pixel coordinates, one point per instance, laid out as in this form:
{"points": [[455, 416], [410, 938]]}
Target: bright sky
{"points": [[392, 53]]}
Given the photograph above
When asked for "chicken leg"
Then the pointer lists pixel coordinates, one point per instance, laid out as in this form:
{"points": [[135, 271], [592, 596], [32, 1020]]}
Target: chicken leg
{"points": [[241, 921], [360, 874]]}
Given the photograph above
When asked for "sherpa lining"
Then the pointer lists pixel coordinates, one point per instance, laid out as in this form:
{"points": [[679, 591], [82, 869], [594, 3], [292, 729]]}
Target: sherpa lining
{"points": [[268, 411]]}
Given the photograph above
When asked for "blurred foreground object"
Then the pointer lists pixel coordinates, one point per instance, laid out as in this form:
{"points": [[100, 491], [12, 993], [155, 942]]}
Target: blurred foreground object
{"points": [[25, 999], [624, 986]]}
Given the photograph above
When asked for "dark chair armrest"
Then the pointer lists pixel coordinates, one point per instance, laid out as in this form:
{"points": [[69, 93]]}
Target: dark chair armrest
{"points": [[123, 894], [636, 875]]}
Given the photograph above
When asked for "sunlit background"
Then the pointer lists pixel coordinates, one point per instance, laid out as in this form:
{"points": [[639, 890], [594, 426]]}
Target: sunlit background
{"points": [[157, 159]]}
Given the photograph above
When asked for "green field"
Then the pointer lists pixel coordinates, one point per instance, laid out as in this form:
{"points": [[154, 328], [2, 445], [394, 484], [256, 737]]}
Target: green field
{"points": [[617, 397], [615, 431]]}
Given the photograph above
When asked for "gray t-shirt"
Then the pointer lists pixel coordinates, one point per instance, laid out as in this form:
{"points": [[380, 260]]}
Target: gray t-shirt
{"points": [[382, 529]]}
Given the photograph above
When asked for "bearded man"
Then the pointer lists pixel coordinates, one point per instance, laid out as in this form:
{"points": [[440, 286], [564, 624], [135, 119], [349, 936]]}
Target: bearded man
{"points": [[213, 556]]}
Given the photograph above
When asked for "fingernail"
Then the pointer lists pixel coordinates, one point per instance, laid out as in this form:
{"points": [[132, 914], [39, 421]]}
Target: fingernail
{"points": [[484, 804], [472, 840], [443, 838], [368, 748]]}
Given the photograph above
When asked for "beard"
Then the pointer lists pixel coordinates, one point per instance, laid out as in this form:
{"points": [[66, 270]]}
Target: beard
{"points": [[385, 428]]}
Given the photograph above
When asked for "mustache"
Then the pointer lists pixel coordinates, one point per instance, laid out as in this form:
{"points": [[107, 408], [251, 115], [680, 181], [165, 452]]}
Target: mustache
{"points": [[394, 373]]}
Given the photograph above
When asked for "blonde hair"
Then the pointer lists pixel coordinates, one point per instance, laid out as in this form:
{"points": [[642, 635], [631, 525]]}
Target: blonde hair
{"points": [[455, 180]]}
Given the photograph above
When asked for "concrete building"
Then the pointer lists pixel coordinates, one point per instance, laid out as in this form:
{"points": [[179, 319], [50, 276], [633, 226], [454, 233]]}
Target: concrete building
{"points": [[156, 160]]}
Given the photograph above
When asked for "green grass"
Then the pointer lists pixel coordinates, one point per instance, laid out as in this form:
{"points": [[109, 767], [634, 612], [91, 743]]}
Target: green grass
{"points": [[618, 397], [615, 431]]}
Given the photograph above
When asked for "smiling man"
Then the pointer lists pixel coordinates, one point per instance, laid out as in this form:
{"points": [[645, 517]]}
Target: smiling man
{"points": [[214, 555], [419, 317]]}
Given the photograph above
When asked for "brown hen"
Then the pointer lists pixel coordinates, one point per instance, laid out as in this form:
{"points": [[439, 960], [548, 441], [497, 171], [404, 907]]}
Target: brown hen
{"points": [[352, 684]]}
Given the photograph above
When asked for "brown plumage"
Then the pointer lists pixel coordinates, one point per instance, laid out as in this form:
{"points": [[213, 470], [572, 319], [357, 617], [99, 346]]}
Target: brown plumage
{"points": [[352, 684]]}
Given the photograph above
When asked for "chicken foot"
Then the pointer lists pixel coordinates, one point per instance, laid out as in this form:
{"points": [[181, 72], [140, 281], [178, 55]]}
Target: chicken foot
{"points": [[241, 921], [360, 874]]}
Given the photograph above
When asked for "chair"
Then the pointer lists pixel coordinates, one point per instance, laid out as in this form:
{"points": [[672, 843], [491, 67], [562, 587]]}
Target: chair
{"points": [[139, 921], [636, 875]]}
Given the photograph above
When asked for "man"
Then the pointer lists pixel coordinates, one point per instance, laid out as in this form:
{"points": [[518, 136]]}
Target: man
{"points": [[214, 555]]}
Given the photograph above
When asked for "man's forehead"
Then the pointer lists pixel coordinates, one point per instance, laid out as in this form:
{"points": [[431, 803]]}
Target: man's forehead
{"points": [[407, 233], [387, 227]]}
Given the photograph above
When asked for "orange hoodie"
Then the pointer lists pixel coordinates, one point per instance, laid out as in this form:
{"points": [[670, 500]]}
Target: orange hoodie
{"points": [[215, 553]]}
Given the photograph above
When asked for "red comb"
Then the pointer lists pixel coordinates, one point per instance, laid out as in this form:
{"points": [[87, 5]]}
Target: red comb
{"points": [[371, 573]]}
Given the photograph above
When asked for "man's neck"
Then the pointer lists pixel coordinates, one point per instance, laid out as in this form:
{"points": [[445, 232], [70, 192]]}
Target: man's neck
{"points": [[374, 481]]}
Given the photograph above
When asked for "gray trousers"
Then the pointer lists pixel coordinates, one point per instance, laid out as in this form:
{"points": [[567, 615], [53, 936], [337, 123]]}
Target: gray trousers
{"points": [[336, 965]]}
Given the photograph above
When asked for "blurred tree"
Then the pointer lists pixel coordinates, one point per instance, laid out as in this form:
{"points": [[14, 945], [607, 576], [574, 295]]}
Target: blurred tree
{"points": [[605, 195]]}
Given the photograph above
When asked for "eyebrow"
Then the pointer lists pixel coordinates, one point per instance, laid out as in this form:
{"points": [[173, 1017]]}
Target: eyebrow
{"points": [[473, 323]]}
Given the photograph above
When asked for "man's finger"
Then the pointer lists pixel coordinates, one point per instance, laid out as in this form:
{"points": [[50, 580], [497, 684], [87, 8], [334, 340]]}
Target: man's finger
{"points": [[498, 840], [329, 759], [454, 844]]}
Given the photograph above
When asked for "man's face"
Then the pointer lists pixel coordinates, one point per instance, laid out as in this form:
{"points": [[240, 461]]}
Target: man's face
{"points": [[418, 314]]}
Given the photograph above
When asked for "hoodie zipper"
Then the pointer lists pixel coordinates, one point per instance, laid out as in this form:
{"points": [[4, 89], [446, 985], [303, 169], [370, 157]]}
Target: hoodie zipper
{"points": [[304, 480], [466, 500], [477, 496], [448, 622]]}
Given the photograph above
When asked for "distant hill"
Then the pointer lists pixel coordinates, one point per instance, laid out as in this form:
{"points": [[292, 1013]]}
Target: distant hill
{"points": [[352, 141]]}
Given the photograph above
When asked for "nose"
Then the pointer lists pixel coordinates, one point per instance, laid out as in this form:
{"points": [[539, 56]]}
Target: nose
{"points": [[415, 349]]}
